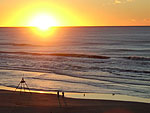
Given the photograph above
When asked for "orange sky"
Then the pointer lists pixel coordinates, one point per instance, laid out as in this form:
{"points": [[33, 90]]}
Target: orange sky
{"points": [[77, 12]]}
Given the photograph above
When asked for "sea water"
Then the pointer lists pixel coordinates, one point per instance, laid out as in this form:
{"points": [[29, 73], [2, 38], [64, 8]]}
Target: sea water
{"points": [[105, 60]]}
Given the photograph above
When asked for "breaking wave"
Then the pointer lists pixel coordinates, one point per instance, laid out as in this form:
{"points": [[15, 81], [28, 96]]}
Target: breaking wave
{"points": [[60, 54], [137, 58], [15, 44]]}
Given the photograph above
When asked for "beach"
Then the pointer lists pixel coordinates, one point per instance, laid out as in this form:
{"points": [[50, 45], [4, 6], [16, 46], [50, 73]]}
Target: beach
{"points": [[26, 102]]}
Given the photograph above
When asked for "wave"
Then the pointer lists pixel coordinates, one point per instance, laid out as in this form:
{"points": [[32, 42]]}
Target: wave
{"points": [[111, 80], [15, 44], [123, 70], [92, 83], [60, 54], [110, 70], [137, 58], [127, 50]]}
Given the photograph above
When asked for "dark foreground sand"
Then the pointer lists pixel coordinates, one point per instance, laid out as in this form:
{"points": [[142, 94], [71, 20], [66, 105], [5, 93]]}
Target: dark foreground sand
{"points": [[14, 102]]}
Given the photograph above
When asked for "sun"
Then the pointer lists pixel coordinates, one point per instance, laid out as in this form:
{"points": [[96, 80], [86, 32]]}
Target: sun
{"points": [[43, 21]]}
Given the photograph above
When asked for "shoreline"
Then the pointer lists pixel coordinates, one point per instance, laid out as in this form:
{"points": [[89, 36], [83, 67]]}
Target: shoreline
{"points": [[90, 96], [49, 103], [80, 95]]}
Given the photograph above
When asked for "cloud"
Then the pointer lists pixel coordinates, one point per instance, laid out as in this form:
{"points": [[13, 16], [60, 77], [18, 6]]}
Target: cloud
{"points": [[129, 0], [147, 20], [122, 1], [117, 1], [133, 20]]}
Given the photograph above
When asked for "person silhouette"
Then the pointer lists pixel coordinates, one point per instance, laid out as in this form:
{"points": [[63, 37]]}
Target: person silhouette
{"points": [[63, 94], [57, 93]]}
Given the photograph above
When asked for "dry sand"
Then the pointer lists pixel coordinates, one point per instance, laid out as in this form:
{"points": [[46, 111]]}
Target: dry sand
{"points": [[14, 102]]}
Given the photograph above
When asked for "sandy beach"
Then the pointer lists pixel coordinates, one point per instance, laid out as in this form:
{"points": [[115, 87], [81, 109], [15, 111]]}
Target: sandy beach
{"points": [[16, 102]]}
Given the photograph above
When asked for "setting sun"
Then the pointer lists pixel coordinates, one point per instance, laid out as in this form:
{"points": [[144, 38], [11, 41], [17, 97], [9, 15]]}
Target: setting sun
{"points": [[43, 22]]}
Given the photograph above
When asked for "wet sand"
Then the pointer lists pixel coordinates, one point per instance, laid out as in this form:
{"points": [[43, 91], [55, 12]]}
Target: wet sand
{"points": [[16, 102]]}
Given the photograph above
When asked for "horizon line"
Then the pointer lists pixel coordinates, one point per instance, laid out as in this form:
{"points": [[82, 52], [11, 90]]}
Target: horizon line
{"points": [[70, 26]]}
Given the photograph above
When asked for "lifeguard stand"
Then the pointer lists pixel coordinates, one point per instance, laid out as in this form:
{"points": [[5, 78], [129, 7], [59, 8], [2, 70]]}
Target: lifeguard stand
{"points": [[22, 85]]}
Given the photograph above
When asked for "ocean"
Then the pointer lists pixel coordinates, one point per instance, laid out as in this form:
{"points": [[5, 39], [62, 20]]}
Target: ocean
{"points": [[105, 60]]}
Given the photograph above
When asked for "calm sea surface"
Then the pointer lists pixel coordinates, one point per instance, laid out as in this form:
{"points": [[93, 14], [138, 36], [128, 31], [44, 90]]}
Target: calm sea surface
{"points": [[78, 59]]}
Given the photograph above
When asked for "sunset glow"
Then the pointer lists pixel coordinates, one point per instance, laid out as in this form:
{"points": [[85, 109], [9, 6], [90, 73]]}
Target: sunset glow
{"points": [[46, 13]]}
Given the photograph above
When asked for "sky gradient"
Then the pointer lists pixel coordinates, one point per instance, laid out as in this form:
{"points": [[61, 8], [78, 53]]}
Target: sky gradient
{"points": [[77, 12]]}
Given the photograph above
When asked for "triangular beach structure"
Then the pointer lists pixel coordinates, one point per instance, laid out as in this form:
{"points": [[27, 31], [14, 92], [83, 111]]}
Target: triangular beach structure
{"points": [[22, 85]]}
